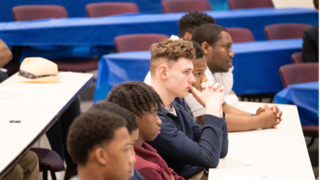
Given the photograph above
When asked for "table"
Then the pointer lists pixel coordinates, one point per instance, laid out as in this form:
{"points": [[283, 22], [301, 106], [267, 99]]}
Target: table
{"points": [[37, 106], [256, 67], [279, 153], [101, 31], [306, 97]]}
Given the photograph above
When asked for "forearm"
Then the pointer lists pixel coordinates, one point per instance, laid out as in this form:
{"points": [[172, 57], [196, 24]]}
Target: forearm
{"points": [[5, 54], [235, 111], [242, 123]]}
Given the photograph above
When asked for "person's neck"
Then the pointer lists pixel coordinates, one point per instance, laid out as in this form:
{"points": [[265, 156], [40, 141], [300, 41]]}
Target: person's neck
{"points": [[139, 142], [165, 96], [90, 172]]}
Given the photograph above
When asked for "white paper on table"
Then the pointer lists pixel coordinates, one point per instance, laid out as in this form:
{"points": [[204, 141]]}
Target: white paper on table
{"points": [[246, 178]]}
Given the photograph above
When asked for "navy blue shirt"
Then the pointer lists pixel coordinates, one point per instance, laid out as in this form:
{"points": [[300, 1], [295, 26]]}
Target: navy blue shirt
{"points": [[187, 147]]}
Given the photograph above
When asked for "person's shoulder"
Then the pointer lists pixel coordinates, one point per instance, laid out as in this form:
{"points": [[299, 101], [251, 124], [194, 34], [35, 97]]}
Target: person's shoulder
{"points": [[143, 164], [313, 32]]}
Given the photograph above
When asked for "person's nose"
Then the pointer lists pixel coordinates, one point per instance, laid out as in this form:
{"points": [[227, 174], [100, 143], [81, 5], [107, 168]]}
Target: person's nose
{"points": [[192, 80], [159, 122], [231, 54]]}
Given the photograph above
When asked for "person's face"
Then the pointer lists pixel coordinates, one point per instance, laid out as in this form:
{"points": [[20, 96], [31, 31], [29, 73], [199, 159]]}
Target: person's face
{"points": [[219, 55], [200, 66], [120, 157], [134, 136], [149, 125], [180, 77]]}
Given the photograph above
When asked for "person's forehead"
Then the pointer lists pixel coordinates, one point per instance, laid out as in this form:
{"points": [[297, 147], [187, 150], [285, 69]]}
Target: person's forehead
{"points": [[183, 63], [225, 37], [199, 63]]}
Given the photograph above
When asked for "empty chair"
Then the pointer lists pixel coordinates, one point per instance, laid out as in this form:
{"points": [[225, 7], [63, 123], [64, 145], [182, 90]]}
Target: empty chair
{"points": [[110, 8], [239, 35], [247, 4], [33, 12], [173, 6], [137, 42], [285, 30], [301, 73], [297, 57]]}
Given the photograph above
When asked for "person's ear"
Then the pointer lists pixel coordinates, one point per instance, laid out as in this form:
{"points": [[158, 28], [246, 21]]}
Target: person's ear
{"points": [[101, 156], [187, 35], [205, 47], [163, 72]]}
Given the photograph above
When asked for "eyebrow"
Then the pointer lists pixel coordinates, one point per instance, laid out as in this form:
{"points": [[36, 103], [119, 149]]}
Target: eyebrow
{"points": [[189, 69]]}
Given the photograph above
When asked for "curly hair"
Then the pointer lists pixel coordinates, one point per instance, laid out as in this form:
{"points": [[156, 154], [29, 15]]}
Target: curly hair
{"points": [[192, 20], [112, 107], [210, 33], [91, 129], [137, 97], [170, 50]]}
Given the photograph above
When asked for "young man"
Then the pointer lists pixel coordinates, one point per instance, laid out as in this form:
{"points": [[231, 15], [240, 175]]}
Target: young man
{"points": [[310, 47], [187, 147], [144, 102], [100, 143], [216, 44], [131, 124]]}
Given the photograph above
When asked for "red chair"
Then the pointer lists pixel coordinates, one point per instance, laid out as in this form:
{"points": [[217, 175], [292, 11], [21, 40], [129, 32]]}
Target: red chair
{"points": [[173, 6], [285, 30], [248, 4], [297, 57], [110, 8], [33, 12], [239, 35], [137, 42], [301, 73]]}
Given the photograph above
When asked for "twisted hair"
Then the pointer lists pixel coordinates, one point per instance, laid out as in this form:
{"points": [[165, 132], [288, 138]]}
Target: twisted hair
{"points": [[137, 97], [112, 107], [192, 20], [91, 129], [170, 50]]}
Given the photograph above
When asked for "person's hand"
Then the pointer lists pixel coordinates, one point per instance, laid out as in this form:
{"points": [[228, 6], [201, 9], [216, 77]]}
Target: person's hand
{"points": [[211, 93], [232, 92], [261, 109], [211, 97], [268, 119], [277, 112]]}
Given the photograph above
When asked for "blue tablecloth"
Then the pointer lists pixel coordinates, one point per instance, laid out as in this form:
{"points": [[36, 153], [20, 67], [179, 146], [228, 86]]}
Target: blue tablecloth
{"points": [[306, 97], [103, 30], [256, 67]]}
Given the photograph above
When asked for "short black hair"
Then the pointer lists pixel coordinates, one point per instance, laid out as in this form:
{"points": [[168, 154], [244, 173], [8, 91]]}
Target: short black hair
{"points": [[112, 107], [192, 20], [137, 97], [210, 33], [91, 129], [197, 47], [316, 4]]}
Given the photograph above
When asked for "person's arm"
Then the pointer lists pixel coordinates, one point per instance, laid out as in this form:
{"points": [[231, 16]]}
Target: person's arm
{"points": [[5, 54], [234, 111], [174, 175], [309, 48]]}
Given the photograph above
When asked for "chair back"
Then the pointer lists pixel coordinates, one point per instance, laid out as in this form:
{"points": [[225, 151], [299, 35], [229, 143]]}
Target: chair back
{"points": [[297, 57], [34, 12], [110, 8], [248, 4], [174, 6], [137, 42], [299, 73], [239, 35], [285, 30]]}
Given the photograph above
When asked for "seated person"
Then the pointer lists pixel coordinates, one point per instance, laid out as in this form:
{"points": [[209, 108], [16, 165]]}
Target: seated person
{"points": [[5, 57], [236, 119], [27, 168], [187, 147], [310, 47], [216, 44], [131, 124], [187, 24], [100, 143], [144, 102]]}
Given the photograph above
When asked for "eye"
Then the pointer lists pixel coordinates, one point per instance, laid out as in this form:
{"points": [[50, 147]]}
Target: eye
{"points": [[198, 74], [186, 72]]}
